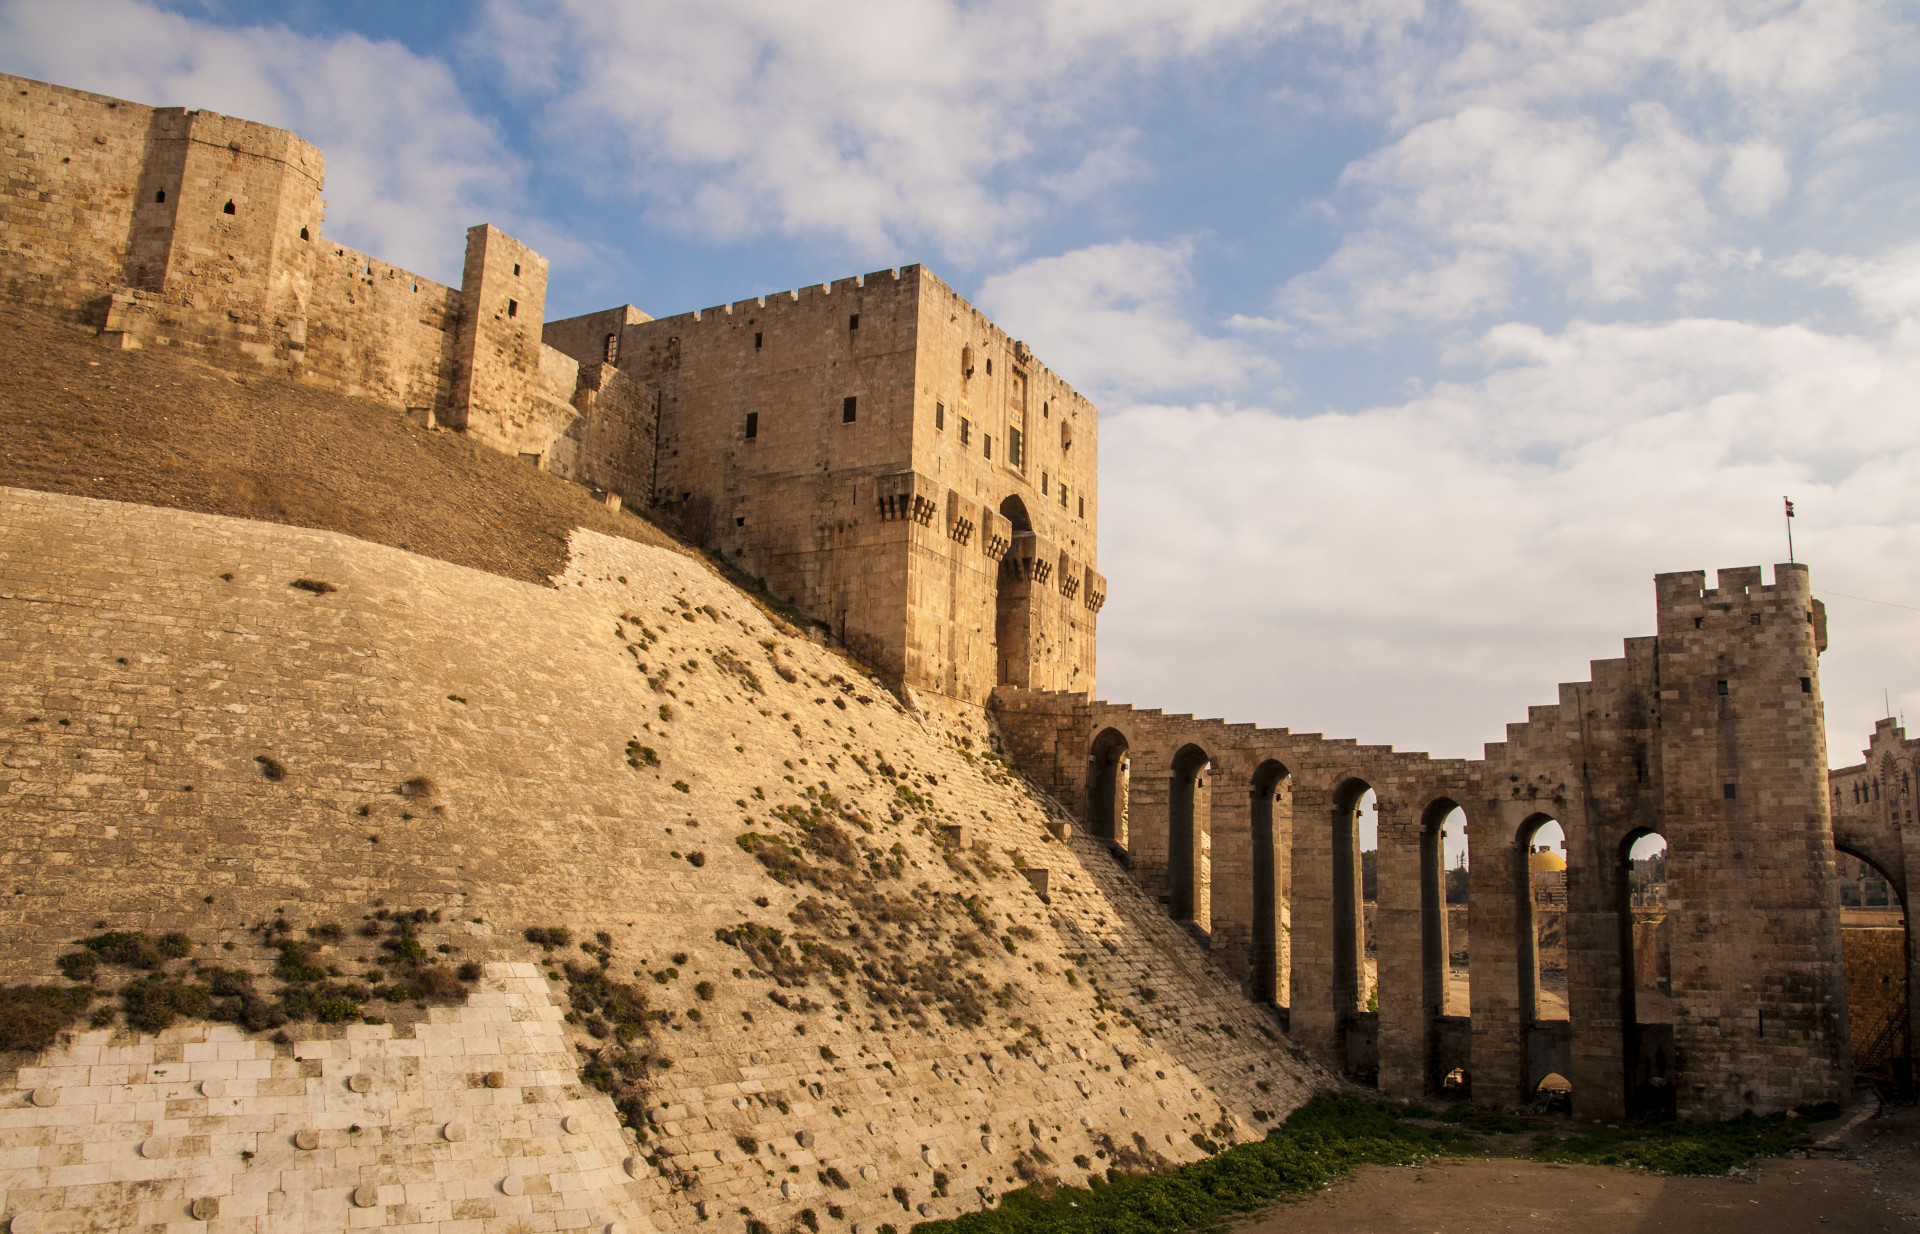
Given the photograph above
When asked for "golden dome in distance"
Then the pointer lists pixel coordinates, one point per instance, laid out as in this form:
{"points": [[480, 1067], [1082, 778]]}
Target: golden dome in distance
{"points": [[1542, 858]]}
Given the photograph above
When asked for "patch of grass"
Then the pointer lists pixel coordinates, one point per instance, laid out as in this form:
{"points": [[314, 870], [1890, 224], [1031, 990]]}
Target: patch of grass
{"points": [[313, 585], [1676, 1147], [1325, 1139], [1334, 1134]]}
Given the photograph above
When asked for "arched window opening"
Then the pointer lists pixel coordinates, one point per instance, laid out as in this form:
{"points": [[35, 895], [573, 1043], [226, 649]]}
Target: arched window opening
{"points": [[1443, 954], [1876, 940], [1189, 838], [159, 196], [1355, 997], [1107, 787], [1272, 817], [228, 208], [1540, 872], [1444, 897], [1543, 944], [1367, 833], [1646, 976]]}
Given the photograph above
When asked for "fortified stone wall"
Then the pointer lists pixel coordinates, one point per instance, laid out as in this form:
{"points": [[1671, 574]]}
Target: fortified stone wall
{"points": [[795, 502], [1709, 733], [173, 227], [875, 449], [589, 756], [383, 332]]}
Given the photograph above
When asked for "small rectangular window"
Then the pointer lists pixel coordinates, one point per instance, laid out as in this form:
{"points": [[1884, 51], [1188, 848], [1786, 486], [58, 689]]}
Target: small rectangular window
{"points": [[1083, 507], [1729, 791], [756, 342], [1015, 454], [966, 431], [516, 269], [1044, 490], [1063, 496], [986, 441], [853, 322], [1806, 685], [989, 366], [940, 416], [753, 424], [847, 407], [513, 308], [1723, 689]]}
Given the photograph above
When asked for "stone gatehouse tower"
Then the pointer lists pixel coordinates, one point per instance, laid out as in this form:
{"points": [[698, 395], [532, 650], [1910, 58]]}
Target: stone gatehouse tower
{"points": [[889, 461]]}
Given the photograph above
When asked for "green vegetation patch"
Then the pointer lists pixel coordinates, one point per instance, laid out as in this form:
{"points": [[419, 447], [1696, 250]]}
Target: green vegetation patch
{"points": [[32, 1016], [1325, 1139], [1680, 1148], [1334, 1134]]}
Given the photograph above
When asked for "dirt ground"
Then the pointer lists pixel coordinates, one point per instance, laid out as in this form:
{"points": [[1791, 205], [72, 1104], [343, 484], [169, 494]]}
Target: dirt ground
{"points": [[161, 428], [1871, 1187]]}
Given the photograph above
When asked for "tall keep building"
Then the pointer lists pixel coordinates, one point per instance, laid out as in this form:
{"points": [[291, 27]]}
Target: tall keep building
{"points": [[890, 462]]}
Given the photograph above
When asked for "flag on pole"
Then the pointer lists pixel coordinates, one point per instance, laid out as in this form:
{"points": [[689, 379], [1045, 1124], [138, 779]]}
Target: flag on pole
{"points": [[1789, 507]]}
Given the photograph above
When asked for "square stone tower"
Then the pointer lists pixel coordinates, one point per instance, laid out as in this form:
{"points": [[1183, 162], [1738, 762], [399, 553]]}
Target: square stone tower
{"points": [[1759, 991], [883, 457]]}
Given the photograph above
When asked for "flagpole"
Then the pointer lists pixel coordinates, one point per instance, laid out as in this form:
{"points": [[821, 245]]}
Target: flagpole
{"points": [[1789, 503]]}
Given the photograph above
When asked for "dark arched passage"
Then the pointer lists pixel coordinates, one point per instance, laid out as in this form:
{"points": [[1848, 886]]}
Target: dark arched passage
{"points": [[1879, 997], [1186, 816], [1646, 1020], [1013, 632], [1107, 767], [1271, 808]]}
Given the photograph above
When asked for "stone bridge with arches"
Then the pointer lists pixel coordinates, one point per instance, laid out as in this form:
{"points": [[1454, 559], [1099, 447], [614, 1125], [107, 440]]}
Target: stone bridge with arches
{"points": [[1708, 733]]}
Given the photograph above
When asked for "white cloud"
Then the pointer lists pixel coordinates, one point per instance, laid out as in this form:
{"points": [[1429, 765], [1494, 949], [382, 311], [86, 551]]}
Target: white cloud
{"points": [[409, 165], [1110, 316], [880, 123], [1756, 178], [1607, 153], [1885, 288], [1421, 572]]}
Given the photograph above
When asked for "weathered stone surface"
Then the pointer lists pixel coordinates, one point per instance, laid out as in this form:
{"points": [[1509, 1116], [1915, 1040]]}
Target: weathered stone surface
{"points": [[483, 725]]}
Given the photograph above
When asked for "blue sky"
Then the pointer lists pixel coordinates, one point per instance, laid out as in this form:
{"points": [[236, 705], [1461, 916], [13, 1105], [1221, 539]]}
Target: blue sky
{"points": [[1423, 334]]}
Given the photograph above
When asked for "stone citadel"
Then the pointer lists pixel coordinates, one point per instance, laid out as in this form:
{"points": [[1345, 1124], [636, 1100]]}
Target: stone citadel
{"points": [[876, 454]]}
